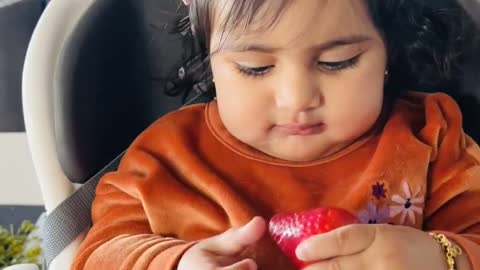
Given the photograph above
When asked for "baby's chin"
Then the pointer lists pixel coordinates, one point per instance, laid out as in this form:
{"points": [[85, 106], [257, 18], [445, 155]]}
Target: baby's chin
{"points": [[302, 155], [301, 150]]}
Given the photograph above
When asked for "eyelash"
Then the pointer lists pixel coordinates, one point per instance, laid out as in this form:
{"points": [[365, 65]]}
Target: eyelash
{"points": [[333, 67]]}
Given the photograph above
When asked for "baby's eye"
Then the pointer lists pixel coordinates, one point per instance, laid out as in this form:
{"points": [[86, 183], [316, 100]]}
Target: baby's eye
{"points": [[340, 65], [329, 66], [254, 71]]}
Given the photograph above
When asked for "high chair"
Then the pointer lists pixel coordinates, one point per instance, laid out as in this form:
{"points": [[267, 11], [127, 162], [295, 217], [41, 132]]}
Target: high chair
{"points": [[90, 87], [91, 84]]}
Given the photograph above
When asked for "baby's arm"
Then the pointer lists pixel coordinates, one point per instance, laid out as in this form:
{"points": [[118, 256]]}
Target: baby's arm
{"points": [[122, 235], [141, 212], [453, 206], [453, 195]]}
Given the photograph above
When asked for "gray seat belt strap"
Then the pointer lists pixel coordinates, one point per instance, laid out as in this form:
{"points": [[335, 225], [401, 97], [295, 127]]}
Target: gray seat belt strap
{"points": [[72, 217]]}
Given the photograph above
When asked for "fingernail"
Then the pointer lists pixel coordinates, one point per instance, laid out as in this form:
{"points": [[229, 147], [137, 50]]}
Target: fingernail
{"points": [[250, 222], [244, 227], [301, 251]]}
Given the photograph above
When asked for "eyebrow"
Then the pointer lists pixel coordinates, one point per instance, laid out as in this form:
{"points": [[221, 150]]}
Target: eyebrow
{"points": [[325, 46]]}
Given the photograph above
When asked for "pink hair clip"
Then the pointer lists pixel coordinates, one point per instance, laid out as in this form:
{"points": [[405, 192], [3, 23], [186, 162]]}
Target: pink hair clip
{"points": [[187, 2]]}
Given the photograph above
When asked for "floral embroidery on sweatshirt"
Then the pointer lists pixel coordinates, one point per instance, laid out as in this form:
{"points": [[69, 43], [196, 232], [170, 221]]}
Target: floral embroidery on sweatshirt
{"points": [[376, 211], [374, 214], [379, 191], [407, 206]]}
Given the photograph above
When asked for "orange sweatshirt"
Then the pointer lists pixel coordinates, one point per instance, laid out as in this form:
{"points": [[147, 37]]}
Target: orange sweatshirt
{"points": [[186, 178]]}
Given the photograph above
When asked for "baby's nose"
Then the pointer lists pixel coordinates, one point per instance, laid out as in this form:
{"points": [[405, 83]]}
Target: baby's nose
{"points": [[298, 93]]}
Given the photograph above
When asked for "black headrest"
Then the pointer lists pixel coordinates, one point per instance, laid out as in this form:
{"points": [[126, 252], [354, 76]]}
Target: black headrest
{"points": [[104, 93]]}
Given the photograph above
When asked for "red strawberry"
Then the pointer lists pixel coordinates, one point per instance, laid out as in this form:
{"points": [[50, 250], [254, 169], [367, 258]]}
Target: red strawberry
{"points": [[289, 229]]}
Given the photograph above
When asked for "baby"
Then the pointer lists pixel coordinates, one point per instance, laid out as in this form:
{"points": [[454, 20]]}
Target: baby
{"points": [[312, 109]]}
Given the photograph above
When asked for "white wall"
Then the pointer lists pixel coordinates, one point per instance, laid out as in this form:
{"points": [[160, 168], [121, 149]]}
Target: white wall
{"points": [[18, 185]]}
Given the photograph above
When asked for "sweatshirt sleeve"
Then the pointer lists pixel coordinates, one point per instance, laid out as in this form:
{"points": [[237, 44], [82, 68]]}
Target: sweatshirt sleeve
{"points": [[122, 235], [453, 196], [164, 198]]}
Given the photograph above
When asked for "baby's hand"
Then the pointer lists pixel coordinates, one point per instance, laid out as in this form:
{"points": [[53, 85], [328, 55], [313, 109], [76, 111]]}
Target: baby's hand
{"points": [[221, 251], [356, 247]]}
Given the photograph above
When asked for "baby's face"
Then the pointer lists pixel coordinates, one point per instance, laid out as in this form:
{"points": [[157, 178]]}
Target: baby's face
{"points": [[307, 87]]}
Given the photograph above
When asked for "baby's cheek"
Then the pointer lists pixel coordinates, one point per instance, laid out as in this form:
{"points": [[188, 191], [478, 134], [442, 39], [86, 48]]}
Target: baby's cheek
{"points": [[349, 127], [248, 130]]}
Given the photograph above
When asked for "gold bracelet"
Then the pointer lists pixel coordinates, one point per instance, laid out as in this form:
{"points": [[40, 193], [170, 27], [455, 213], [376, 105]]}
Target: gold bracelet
{"points": [[451, 251]]}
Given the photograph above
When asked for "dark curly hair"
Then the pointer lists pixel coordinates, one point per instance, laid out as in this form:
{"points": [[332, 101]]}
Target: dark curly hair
{"points": [[425, 42]]}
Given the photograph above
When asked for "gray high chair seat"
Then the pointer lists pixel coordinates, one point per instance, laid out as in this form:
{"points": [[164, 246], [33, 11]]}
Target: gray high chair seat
{"points": [[89, 89]]}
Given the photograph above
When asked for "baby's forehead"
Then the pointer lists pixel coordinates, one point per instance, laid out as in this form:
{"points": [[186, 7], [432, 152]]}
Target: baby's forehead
{"points": [[259, 14], [302, 20]]}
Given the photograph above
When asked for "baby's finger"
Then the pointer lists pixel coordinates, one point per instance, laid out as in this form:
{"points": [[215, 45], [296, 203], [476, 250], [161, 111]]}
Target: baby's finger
{"points": [[247, 264], [343, 241], [235, 240]]}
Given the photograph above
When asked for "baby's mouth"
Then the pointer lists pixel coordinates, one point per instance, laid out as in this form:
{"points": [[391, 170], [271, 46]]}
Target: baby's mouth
{"points": [[301, 129]]}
